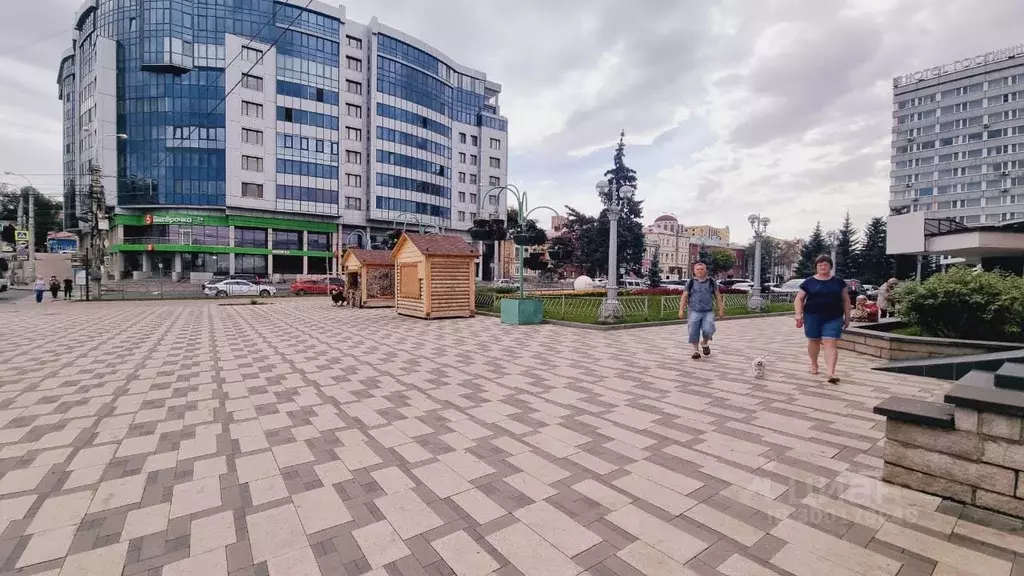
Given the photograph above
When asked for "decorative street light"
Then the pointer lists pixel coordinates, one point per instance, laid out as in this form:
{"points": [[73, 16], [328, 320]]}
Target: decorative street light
{"points": [[760, 225], [611, 309]]}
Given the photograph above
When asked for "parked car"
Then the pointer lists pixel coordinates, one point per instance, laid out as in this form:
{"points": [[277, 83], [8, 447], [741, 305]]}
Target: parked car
{"points": [[238, 288], [633, 283], [855, 288], [319, 286], [730, 282], [871, 291], [506, 283], [741, 286], [254, 278], [674, 285], [788, 290], [600, 282]]}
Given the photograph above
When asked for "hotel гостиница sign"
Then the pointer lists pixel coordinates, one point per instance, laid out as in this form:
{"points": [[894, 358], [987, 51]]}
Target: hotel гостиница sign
{"points": [[959, 65]]}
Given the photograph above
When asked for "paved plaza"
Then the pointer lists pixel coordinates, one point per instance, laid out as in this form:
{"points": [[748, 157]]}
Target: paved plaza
{"points": [[294, 439]]}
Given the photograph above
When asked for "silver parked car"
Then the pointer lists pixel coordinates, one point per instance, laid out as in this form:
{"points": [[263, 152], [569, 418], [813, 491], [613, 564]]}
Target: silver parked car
{"points": [[788, 290], [238, 288]]}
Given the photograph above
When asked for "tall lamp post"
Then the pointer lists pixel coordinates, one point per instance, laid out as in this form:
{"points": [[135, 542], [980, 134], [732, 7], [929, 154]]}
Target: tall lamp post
{"points": [[759, 224], [611, 309]]}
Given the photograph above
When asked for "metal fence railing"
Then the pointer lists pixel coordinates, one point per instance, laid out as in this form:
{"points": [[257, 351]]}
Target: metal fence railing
{"points": [[168, 289], [635, 308]]}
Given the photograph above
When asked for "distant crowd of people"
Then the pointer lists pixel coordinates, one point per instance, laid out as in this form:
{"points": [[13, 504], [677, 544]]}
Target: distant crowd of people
{"points": [[54, 286]]}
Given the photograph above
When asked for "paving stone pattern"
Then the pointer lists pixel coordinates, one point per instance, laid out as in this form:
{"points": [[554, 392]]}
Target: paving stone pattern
{"points": [[296, 439]]}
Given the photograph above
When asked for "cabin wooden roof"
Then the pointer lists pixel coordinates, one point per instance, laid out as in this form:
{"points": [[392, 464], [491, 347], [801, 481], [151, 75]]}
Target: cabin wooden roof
{"points": [[371, 257], [437, 245]]}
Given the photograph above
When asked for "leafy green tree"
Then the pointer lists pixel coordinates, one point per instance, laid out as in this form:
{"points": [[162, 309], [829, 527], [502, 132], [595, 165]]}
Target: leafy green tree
{"points": [[814, 247], [47, 213], [721, 261], [654, 273], [875, 265], [848, 263]]}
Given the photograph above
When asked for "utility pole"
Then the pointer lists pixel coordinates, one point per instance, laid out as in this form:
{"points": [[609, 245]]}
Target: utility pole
{"points": [[94, 245], [32, 229]]}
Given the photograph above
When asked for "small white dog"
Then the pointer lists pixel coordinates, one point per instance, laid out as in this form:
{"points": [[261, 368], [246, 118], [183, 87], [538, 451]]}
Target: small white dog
{"points": [[758, 366]]}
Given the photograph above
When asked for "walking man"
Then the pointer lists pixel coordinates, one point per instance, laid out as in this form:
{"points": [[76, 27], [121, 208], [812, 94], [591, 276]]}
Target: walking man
{"points": [[700, 298], [69, 285]]}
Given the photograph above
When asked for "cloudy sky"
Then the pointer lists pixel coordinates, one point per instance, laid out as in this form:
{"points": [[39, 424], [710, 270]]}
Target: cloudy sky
{"points": [[730, 106]]}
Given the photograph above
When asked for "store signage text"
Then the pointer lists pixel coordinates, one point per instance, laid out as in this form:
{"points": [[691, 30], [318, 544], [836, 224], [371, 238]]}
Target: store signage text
{"points": [[964, 64], [157, 219]]}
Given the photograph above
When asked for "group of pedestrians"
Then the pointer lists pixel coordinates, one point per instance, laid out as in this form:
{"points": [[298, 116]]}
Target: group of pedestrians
{"points": [[54, 286], [822, 309]]}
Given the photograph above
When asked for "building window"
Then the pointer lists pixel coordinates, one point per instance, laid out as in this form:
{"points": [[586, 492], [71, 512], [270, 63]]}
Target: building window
{"points": [[462, 196], [354, 42], [495, 162], [472, 199], [472, 215], [495, 144], [320, 146], [353, 157], [462, 137], [473, 179], [303, 143], [353, 87], [474, 141], [462, 177], [474, 160], [352, 203], [252, 190], [353, 134], [250, 136], [494, 181], [252, 109], [251, 54], [251, 82], [252, 163], [462, 157], [462, 216], [354, 63], [250, 238], [353, 180], [354, 110]]}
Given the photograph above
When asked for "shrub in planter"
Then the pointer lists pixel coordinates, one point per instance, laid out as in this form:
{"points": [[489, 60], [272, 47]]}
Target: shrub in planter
{"points": [[965, 303], [521, 239]]}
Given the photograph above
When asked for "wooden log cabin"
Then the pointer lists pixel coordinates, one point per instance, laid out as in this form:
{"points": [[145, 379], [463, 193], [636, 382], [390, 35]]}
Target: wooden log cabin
{"points": [[370, 278], [435, 276]]}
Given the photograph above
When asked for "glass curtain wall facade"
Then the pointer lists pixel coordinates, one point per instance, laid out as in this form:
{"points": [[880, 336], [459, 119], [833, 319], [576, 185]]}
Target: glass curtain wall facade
{"points": [[270, 109]]}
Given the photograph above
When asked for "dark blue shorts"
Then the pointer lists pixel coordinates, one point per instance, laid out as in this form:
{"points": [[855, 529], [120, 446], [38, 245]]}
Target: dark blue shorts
{"points": [[817, 327]]}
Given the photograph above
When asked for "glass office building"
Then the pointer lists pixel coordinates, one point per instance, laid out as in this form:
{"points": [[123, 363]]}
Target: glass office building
{"points": [[260, 135]]}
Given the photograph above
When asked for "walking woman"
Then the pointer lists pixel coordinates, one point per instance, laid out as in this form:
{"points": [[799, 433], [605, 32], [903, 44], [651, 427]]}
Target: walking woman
{"points": [[39, 287], [54, 286], [823, 311]]}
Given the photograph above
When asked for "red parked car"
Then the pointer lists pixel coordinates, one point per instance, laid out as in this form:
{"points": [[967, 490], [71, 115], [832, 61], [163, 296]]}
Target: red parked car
{"points": [[321, 286]]}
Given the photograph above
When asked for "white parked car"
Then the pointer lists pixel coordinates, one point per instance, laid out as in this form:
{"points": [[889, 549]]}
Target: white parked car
{"points": [[238, 288], [743, 286]]}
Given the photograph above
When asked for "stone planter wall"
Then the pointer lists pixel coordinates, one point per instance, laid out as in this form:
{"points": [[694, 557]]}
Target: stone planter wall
{"points": [[980, 461], [888, 346]]}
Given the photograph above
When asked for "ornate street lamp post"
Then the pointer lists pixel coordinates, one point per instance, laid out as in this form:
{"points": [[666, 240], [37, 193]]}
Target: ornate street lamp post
{"points": [[611, 309], [759, 224]]}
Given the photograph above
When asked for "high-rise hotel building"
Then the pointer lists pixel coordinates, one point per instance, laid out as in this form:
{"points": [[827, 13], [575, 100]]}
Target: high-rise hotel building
{"points": [[260, 136], [958, 139]]}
